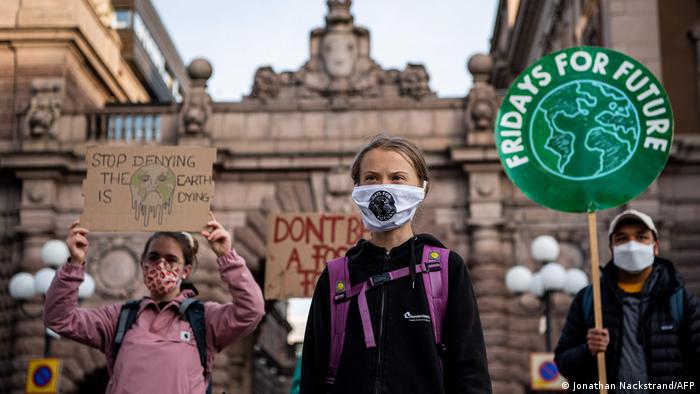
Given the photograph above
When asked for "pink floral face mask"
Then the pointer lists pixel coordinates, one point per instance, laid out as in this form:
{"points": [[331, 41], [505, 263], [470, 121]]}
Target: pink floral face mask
{"points": [[161, 278]]}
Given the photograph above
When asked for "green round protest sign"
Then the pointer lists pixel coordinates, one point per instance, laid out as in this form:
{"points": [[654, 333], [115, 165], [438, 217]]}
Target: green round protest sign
{"points": [[584, 129]]}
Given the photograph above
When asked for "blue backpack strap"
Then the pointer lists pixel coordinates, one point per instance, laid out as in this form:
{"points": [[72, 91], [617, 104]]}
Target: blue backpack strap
{"points": [[435, 283], [192, 310], [127, 317], [588, 305], [339, 284], [677, 307]]}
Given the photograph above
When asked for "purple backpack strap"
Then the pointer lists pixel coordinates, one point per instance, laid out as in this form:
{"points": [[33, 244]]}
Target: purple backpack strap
{"points": [[339, 284], [435, 282]]}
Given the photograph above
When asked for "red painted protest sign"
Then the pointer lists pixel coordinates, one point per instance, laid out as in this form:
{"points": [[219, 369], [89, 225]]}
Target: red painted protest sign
{"points": [[300, 244]]}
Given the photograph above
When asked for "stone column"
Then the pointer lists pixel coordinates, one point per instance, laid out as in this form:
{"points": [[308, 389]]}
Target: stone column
{"points": [[486, 260], [44, 201], [35, 228]]}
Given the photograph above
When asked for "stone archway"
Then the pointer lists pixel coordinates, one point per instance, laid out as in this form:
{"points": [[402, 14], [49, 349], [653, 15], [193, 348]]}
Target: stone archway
{"points": [[289, 196], [273, 357]]}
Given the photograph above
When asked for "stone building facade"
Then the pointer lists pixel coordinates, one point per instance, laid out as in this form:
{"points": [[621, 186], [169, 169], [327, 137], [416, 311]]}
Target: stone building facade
{"points": [[287, 147], [55, 57]]}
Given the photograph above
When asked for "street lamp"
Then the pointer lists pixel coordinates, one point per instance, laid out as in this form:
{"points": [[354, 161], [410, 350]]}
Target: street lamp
{"points": [[551, 278], [25, 286]]}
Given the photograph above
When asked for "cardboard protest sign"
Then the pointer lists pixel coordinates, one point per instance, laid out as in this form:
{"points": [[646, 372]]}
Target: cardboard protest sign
{"points": [[156, 188], [300, 244], [584, 129]]}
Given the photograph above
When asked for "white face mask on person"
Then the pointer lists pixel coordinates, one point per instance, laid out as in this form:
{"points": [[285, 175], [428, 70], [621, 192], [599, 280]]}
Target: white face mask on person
{"points": [[386, 207], [633, 256]]}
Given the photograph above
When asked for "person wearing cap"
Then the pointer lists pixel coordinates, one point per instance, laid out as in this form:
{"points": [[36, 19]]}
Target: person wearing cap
{"points": [[651, 333]]}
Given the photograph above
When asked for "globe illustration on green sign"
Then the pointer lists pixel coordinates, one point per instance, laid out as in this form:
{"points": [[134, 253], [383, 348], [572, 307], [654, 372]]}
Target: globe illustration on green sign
{"points": [[584, 129], [591, 129]]}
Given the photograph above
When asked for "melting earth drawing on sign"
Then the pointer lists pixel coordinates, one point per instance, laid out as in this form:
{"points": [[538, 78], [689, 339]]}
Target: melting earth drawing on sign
{"points": [[591, 129], [152, 189]]}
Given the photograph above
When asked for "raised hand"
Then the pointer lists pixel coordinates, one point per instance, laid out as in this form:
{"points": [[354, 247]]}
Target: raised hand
{"points": [[77, 243], [219, 239]]}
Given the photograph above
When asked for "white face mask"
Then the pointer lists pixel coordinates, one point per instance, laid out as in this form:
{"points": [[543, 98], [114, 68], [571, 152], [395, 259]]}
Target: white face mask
{"points": [[633, 256], [386, 207]]}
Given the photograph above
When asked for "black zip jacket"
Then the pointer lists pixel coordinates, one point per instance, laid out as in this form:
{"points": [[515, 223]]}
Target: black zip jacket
{"points": [[406, 359], [671, 351]]}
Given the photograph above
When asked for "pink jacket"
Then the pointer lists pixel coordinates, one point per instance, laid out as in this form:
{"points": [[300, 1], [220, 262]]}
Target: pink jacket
{"points": [[159, 353]]}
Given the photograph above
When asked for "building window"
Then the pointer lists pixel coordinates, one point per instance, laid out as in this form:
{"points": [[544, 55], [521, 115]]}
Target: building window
{"points": [[149, 44], [121, 19], [125, 19], [151, 47]]}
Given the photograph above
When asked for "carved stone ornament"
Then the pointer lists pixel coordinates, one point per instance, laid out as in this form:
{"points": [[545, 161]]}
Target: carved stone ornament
{"points": [[339, 65], [266, 84], [196, 109], [44, 108], [414, 81], [482, 102], [482, 109], [36, 193], [117, 269], [195, 118]]}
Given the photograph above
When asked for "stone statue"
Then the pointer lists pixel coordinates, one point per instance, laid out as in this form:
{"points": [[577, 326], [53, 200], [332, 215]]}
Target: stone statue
{"points": [[339, 63], [196, 108], [44, 108], [414, 81], [266, 84], [339, 53], [482, 102], [339, 67]]}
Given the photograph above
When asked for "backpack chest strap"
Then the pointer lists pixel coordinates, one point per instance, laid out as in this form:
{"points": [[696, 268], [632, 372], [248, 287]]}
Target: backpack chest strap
{"points": [[434, 269], [380, 279], [360, 290]]}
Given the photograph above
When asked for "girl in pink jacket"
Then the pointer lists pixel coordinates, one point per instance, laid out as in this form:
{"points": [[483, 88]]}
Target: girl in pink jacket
{"points": [[159, 353]]}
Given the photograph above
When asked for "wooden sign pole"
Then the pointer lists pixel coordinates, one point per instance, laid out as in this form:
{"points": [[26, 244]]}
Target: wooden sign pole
{"points": [[597, 305]]}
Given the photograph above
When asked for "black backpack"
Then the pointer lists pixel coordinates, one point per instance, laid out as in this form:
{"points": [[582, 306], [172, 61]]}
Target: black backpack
{"points": [[191, 310]]}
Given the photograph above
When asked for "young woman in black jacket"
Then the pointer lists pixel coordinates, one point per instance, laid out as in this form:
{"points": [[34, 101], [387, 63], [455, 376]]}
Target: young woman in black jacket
{"points": [[396, 350]]}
